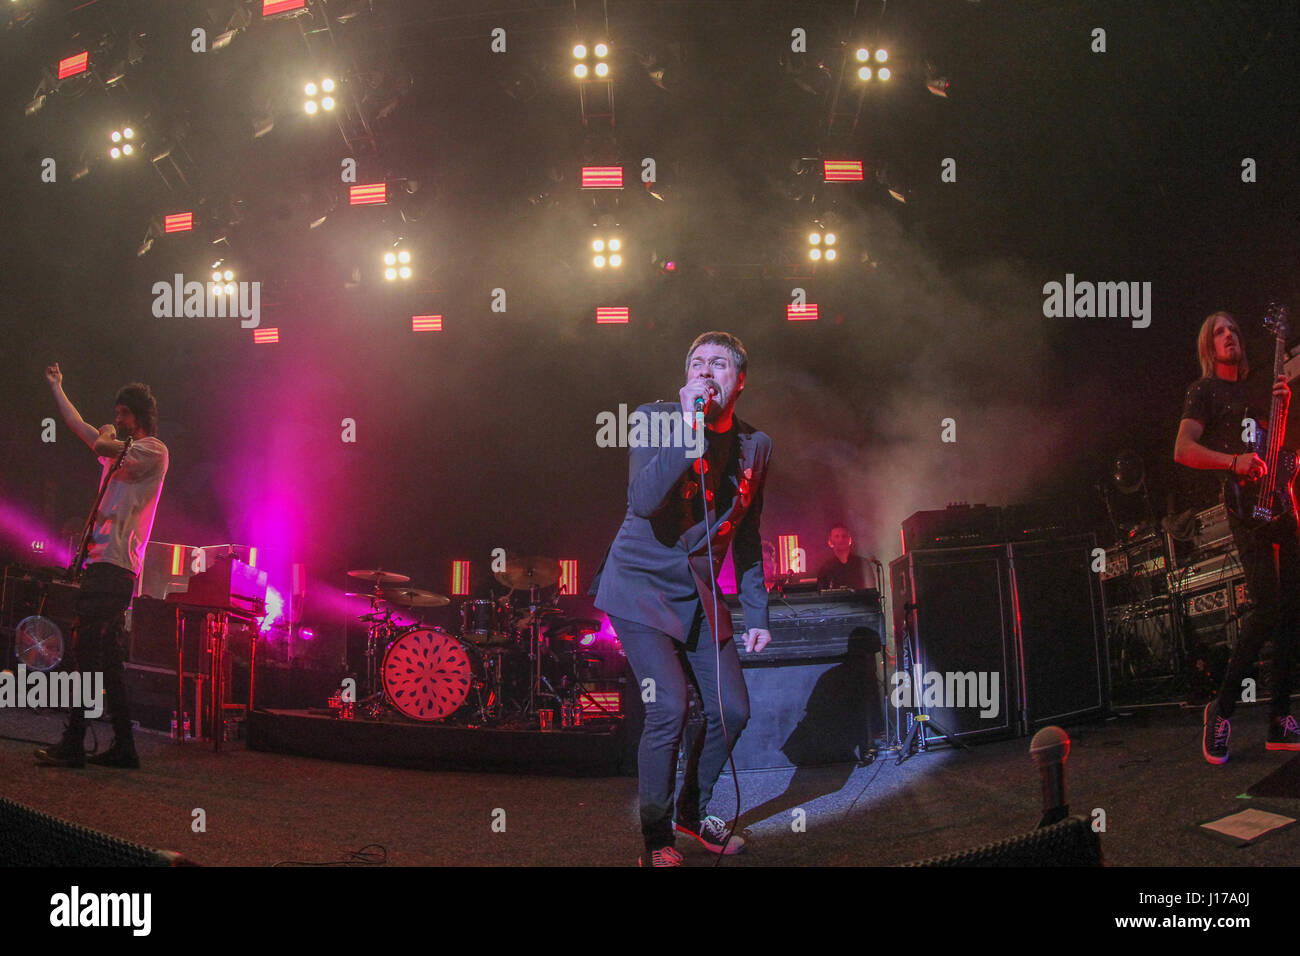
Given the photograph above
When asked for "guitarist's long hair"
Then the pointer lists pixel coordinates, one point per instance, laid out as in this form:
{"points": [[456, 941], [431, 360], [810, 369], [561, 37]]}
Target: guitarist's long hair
{"points": [[1205, 346]]}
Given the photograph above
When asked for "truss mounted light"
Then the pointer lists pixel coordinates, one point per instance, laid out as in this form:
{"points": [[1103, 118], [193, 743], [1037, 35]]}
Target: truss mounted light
{"points": [[124, 142], [320, 96], [592, 63]]}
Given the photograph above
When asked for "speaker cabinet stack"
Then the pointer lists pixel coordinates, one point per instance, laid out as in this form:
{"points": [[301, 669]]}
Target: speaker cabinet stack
{"points": [[1007, 637]]}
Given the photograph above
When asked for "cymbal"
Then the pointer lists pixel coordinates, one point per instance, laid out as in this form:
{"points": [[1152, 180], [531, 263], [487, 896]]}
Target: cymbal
{"points": [[415, 597], [529, 572], [380, 577]]}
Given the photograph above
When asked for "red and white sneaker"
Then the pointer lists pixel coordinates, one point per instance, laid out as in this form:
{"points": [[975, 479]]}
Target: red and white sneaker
{"points": [[664, 857], [711, 834]]}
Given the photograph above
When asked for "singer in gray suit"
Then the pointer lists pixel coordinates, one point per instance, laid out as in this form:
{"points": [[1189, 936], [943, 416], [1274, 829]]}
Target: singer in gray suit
{"points": [[659, 588]]}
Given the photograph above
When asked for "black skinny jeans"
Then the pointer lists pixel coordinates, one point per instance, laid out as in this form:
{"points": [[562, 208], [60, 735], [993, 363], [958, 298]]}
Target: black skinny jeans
{"points": [[654, 654], [97, 644], [1270, 558]]}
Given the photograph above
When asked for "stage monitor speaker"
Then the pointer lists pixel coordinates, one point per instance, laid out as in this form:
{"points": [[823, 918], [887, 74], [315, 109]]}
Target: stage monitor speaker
{"points": [[1065, 673], [963, 619], [31, 838], [1071, 842]]}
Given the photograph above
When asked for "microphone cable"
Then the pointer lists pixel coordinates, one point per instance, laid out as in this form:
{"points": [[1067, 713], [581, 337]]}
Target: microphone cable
{"points": [[717, 647]]}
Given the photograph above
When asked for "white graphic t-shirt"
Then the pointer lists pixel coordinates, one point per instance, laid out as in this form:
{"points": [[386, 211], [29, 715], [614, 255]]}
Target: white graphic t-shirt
{"points": [[125, 516]]}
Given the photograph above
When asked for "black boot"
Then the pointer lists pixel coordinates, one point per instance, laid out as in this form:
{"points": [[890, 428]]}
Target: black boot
{"points": [[122, 754], [68, 752]]}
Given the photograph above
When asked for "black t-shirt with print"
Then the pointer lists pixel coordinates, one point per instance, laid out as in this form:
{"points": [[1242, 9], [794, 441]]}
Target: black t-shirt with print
{"points": [[1221, 406]]}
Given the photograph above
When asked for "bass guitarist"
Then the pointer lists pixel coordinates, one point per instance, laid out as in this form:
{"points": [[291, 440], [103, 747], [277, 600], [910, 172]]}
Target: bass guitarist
{"points": [[1216, 420]]}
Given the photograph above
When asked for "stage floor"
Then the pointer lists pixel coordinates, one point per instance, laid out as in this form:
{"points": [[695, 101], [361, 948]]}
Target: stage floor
{"points": [[1145, 771]]}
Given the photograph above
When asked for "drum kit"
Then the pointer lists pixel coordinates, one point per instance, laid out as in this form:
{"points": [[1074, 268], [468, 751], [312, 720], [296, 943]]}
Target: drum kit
{"points": [[509, 664]]}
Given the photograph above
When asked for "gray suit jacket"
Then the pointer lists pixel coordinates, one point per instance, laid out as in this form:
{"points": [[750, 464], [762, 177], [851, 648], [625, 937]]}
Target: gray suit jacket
{"points": [[657, 570]]}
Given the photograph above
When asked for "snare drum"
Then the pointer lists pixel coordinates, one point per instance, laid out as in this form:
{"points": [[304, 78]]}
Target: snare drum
{"points": [[428, 674], [484, 622]]}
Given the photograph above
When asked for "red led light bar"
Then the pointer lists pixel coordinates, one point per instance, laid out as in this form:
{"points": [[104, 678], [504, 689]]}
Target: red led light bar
{"points": [[801, 313], [611, 315], [568, 576], [459, 578], [271, 7], [787, 553], [72, 65], [593, 701], [368, 194], [426, 323], [842, 170], [602, 177], [178, 222], [266, 336]]}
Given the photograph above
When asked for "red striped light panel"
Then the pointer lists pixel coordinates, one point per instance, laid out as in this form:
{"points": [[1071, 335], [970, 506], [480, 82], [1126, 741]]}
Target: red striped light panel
{"points": [[842, 170], [459, 578], [72, 65], [568, 575], [612, 315], [368, 194], [252, 557], [600, 703], [602, 177], [787, 554], [426, 323], [266, 336], [271, 7], [178, 222], [801, 313]]}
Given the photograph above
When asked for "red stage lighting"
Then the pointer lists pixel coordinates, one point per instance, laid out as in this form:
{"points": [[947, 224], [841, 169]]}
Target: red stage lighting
{"points": [[72, 65], [459, 578], [426, 323], [600, 703], [271, 7], [602, 177], [266, 336], [788, 557], [842, 170], [178, 222], [568, 575], [612, 315], [368, 194], [801, 313]]}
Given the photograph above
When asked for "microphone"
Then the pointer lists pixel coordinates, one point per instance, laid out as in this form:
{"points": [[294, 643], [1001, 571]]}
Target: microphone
{"points": [[702, 401], [1049, 748]]}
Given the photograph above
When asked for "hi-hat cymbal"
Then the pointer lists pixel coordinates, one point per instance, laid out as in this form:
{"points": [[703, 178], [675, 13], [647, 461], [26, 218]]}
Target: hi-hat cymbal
{"points": [[380, 577], [530, 572], [415, 597]]}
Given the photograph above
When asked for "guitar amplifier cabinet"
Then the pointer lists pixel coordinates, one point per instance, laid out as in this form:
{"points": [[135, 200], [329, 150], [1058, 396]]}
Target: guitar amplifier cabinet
{"points": [[1030, 613], [956, 606]]}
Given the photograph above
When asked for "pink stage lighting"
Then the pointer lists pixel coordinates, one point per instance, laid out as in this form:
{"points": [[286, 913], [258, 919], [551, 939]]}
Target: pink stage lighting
{"points": [[426, 323], [612, 315], [842, 170], [368, 195], [178, 222], [602, 177], [72, 65], [266, 336], [801, 313]]}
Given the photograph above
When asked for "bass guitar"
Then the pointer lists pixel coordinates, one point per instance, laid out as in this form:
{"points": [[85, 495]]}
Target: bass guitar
{"points": [[1269, 498]]}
